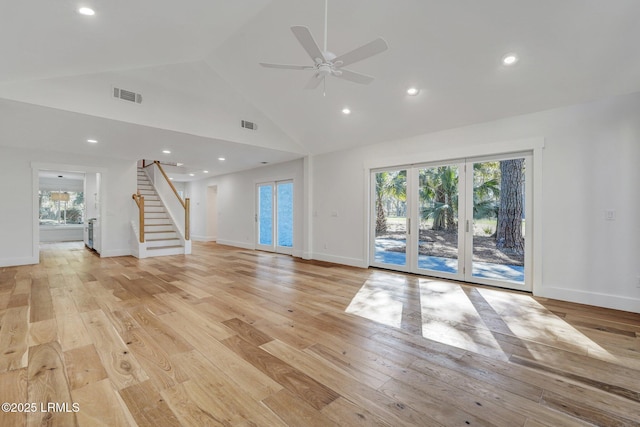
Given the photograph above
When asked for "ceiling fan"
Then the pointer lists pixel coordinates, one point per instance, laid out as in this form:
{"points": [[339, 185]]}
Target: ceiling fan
{"points": [[326, 63]]}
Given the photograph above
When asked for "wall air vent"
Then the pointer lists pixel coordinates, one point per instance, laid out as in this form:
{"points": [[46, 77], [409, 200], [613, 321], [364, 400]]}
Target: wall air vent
{"points": [[127, 95], [249, 125]]}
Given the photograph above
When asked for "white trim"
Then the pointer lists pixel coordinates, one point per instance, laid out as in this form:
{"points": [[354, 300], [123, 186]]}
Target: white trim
{"points": [[204, 238], [115, 252], [591, 298], [449, 154], [12, 262], [242, 245], [353, 262]]}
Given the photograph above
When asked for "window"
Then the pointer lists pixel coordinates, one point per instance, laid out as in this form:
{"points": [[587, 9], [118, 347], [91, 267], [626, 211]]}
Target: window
{"points": [[61, 207]]}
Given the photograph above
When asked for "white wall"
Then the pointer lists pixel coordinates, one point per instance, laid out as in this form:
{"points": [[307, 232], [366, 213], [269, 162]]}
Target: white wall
{"points": [[18, 229], [590, 164], [237, 206], [212, 213]]}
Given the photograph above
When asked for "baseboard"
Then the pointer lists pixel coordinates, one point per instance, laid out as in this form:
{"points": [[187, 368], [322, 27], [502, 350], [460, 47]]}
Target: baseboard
{"points": [[115, 252], [353, 262], [243, 245], [307, 255], [297, 253], [12, 262], [615, 302], [204, 238]]}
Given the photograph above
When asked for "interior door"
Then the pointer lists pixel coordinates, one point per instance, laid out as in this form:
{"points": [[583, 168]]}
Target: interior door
{"points": [[274, 216]]}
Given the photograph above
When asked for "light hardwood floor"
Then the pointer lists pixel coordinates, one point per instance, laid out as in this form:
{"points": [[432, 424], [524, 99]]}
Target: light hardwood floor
{"points": [[228, 337]]}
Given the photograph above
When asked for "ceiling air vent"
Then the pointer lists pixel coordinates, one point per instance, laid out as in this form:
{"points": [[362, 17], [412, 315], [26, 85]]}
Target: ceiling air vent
{"points": [[127, 95], [249, 125]]}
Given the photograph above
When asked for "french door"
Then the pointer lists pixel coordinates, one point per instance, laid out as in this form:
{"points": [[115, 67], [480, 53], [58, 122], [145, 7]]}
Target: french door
{"points": [[464, 220], [274, 216]]}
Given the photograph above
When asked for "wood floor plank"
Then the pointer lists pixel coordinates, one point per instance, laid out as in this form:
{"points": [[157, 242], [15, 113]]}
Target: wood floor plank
{"points": [[100, 405], [43, 332], [295, 412], [13, 338], [297, 382], [48, 384], [214, 391], [83, 366], [147, 406], [121, 366], [13, 389], [72, 332], [40, 300]]}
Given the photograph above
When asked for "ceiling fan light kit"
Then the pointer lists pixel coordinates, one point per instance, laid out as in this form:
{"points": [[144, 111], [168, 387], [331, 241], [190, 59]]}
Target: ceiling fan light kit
{"points": [[326, 63]]}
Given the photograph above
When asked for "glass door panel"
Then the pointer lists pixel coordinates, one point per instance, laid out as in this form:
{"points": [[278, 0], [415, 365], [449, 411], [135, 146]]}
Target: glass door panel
{"points": [[437, 245], [498, 231], [265, 216], [390, 218], [284, 198]]}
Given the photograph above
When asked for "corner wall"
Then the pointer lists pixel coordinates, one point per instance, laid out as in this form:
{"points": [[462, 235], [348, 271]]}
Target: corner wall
{"points": [[590, 164]]}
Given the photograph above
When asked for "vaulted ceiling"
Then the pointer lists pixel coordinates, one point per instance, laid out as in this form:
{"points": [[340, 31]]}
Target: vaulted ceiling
{"points": [[195, 62]]}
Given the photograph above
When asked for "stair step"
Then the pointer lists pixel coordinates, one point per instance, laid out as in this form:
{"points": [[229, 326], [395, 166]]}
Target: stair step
{"points": [[158, 227], [163, 243], [154, 209], [157, 221], [155, 215], [159, 235]]}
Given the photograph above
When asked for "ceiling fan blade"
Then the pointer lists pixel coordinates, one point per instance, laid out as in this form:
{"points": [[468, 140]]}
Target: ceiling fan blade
{"points": [[363, 52], [287, 67], [314, 82], [308, 43], [353, 76]]}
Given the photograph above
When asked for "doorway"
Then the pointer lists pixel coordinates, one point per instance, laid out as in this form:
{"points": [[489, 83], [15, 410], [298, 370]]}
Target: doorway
{"points": [[464, 220], [274, 216]]}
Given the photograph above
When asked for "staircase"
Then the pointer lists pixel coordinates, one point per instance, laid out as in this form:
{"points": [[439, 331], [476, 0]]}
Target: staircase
{"points": [[161, 236]]}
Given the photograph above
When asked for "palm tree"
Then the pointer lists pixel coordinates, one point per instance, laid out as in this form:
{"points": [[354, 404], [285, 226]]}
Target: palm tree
{"points": [[390, 186], [439, 196]]}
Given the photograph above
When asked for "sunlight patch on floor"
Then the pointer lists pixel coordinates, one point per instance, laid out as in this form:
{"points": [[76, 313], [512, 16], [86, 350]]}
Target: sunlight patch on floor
{"points": [[376, 304]]}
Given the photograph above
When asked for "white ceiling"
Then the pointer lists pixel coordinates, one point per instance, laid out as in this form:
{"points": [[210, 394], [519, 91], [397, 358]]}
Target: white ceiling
{"points": [[196, 64]]}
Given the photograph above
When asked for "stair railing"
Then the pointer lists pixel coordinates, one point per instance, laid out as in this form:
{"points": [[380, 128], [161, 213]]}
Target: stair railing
{"points": [[186, 203], [139, 199]]}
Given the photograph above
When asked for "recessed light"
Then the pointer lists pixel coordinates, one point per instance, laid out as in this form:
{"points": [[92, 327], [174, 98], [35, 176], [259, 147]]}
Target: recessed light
{"points": [[170, 179], [509, 59], [166, 151], [205, 171], [179, 164], [92, 141], [413, 91], [222, 159], [346, 111], [192, 174], [86, 11]]}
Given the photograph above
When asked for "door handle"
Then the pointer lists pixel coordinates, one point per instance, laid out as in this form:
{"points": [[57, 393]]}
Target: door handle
{"points": [[468, 225], [408, 225]]}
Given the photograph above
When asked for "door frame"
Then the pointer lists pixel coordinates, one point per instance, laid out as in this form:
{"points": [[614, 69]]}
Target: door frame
{"points": [[535, 146], [36, 167]]}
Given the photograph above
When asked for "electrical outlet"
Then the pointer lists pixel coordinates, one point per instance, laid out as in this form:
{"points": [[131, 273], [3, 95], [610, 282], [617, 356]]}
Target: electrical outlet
{"points": [[610, 215]]}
